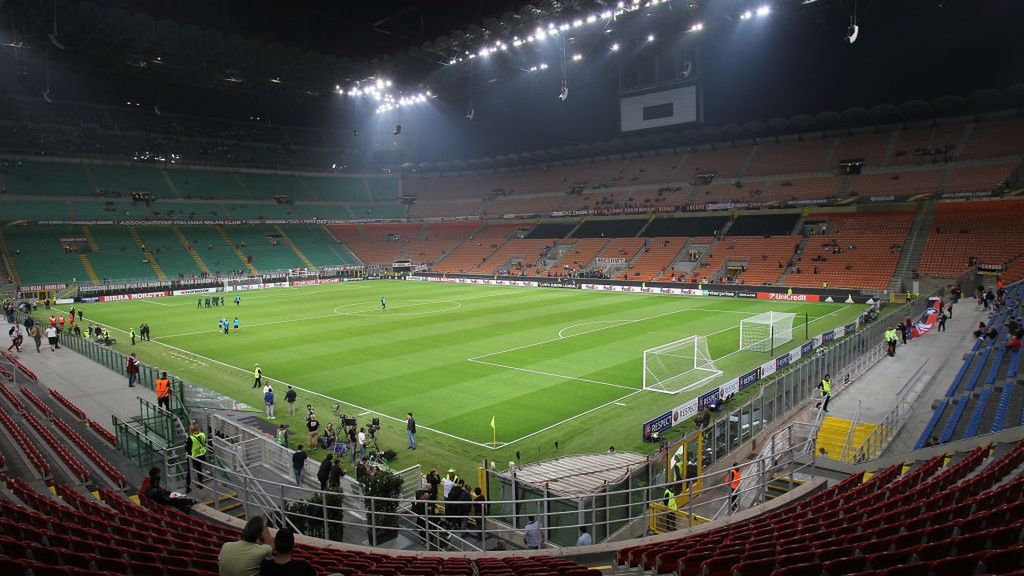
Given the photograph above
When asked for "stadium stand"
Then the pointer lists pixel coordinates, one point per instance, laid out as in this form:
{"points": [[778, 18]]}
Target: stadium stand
{"points": [[122, 180], [857, 250], [577, 256], [748, 259], [983, 178], [903, 183], [790, 157], [437, 239], [945, 515], [653, 259], [376, 244], [609, 228], [517, 257], [206, 184], [988, 231], [40, 256], [475, 249], [709, 225]]}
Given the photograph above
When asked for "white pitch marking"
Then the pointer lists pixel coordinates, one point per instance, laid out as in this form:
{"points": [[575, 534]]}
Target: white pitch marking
{"points": [[552, 374], [151, 301]]}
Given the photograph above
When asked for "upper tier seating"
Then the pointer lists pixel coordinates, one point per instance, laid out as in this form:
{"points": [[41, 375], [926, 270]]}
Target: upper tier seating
{"points": [[790, 157], [173, 258], [48, 179], [867, 147], [123, 180], [996, 137], [905, 183], [206, 184], [876, 239], [980, 178], [726, 162], [941, 517], [763, 260], [476, 248], [987, 230], [926, 144]]}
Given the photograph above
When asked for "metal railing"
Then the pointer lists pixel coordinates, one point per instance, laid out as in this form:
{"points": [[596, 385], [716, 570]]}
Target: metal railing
{"points": [[875, 444], [850, 434], [368, 520]]}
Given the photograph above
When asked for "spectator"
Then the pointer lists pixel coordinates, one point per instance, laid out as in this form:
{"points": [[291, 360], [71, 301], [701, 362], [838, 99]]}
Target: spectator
{"points": [[334, 481], [290, 397], [282, 563], [323, 474], [585, 539], [152, 490], [282, 435], [243, 557], [532, 535], [268, 400], [298, 463]]}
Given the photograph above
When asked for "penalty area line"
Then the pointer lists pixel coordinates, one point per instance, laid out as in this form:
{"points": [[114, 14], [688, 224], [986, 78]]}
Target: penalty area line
{"points": [[571, 418]]}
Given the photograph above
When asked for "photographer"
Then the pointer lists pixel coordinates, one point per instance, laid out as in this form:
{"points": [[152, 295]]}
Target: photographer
{"points": [[312, 427]]}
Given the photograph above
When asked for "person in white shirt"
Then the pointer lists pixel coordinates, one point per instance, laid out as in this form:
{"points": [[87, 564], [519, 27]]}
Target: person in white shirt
{"points": [[51, 336], [361, 438], [531, 533], [585, 539]]}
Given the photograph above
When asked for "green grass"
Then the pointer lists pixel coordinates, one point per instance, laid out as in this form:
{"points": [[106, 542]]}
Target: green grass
{"points": [[547, 364]]}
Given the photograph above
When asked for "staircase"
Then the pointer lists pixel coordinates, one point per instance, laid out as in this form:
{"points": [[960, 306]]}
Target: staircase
{"points": [[89, 269], [227, 240], [295, 248], [578, 224], [644, 227], [229, 504], [150, 257], [913, 248], [779, 486], [799, 251], [191, 252], [961, 144], [93, 246], [890, 148], [830, 158], [833, 434]]}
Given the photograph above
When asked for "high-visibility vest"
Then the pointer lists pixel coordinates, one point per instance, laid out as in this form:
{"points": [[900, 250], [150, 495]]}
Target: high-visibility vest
{"points": [[257, 373], [826, 387], [670, 499], [198, 444], [678, 470], [163, 387], [734, 479]]}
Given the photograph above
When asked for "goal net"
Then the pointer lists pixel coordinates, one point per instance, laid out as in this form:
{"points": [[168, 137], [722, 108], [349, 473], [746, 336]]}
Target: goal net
{"points": [[679, 365], [762, 333]]}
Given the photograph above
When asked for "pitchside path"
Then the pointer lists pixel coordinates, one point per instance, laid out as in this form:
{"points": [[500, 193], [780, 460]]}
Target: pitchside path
{"points": [[942, 355], [93, 388]]}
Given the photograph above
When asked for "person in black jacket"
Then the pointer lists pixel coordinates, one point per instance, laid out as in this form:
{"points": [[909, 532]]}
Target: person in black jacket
{"points": [[324, 473]]}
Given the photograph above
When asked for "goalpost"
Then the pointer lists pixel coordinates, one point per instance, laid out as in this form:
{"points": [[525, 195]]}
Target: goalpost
{"points": [[762, 333], [679, 365]]}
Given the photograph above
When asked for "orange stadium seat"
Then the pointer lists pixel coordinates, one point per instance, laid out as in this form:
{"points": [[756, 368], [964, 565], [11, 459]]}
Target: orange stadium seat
{"points": [[476, 248], [654, 259], [988, 230], [763, 260], [871, 262]]}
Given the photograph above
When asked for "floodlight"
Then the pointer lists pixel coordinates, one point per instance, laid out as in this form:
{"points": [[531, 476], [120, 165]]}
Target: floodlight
{"points": [[591, 19], [484, 52], [615, 47], [852, 32], [746, 15], [764, 10], [563, 27], [577, 23], [380, 83], [533, 68], [543, 66], [650, 37], [607, 15], [577, 57], [539, 33], [697, 27]]}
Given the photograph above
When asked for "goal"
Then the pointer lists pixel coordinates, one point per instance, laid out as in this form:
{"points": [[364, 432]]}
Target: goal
{"points": [[762, 333], [679, 365]]}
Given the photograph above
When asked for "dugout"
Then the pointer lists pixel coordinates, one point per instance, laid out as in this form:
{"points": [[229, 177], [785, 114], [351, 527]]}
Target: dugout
{"points": [[565, 492]]}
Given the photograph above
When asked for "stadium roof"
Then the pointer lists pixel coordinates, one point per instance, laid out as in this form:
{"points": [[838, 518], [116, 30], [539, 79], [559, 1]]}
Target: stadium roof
{"points": [[581, 473]]}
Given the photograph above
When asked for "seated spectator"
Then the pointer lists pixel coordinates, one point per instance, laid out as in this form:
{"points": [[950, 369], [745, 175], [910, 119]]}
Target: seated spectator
{"points": [[153, 492], [282, 563], [243, 557], [1013, 343]]}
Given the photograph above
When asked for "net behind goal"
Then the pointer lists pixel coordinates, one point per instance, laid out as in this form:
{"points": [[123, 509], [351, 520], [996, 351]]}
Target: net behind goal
{"points": [[762, 333], [679, 365]]}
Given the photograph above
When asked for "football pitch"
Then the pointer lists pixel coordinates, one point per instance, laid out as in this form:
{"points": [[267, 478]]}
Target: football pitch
{"points": [[544, 363]]}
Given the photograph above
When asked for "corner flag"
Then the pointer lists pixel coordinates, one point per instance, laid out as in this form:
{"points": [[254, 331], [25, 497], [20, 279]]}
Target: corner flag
{"points": [[494, 433]]}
